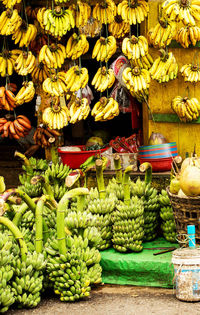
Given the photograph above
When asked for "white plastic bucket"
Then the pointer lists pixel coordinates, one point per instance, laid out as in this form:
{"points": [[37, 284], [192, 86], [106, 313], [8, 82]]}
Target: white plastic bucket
{"points": [[186, 263]]}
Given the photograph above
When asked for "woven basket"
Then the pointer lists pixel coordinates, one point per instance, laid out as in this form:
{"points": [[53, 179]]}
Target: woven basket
{"points": [[186, 212]]}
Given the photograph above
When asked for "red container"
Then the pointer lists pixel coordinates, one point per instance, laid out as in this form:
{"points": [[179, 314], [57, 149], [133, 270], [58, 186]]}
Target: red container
{"points": [[75, 158], [159, 165]]}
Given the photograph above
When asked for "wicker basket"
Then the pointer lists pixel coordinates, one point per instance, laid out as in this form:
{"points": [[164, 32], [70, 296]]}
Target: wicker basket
{"points": [[186, 212]]}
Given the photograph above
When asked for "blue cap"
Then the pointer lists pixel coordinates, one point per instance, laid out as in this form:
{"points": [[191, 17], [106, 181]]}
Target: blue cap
{"points": [[191, 229]]}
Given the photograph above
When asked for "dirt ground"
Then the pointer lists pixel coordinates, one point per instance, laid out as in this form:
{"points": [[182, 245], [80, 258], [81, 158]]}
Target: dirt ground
{"points": [[117, 300]]}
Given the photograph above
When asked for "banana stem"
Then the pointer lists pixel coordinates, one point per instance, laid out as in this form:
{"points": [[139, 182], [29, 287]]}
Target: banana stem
{"points": [[39, 224], [23, 157], [26, 199], [147, 168], [54, 154], [17, 234], [126, 186], [81, 203], [45, 231], [100, 179], [118, 168], [17, 218], [62, 206]]}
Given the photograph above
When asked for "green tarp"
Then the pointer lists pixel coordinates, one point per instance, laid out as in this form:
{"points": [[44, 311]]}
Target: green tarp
{"points": [[141, 269]]}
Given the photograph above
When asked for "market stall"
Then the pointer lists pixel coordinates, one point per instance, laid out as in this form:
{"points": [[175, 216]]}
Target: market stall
{"points": [[99, 102]]}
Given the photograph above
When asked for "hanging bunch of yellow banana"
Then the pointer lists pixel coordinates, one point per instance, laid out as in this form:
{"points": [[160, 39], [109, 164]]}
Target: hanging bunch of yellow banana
{"points": [[81, 12], [186, 109], [7, 61], [53, 55], [105, 11], [24, 34], [76, 78], [136, 79], [135, 47], [92, 28], [105, 109], [104, 48], [141, 96], [79, 110], [187, 11], [40, 73], [103, 79], [10, 21], [10, 3], [56, 117], [118, 28], [191, 72], [162, 34], [133, 11], [164, 68], [56, 84], [144, 62], [25, 63], [56, 22], [25, 94], [77, 45], [187, 36]]}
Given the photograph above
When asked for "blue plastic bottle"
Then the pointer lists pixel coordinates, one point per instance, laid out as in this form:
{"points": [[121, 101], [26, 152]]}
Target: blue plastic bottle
{"points": [[191, 235]]}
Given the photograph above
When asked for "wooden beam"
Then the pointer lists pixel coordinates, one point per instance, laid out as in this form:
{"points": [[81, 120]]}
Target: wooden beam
{"points": [[170, 118]]}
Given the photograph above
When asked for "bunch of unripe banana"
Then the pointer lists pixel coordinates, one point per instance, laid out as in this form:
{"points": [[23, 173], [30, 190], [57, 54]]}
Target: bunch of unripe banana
{"points": [[190, 72], [187, 36], [105, 109], [77, 45], [149, 196], [128, 224], [79, 110], [53, 56], [56, 84], [81, 12], [26, 93], [164, 68], [6, 272], [166, 213], [136, 80], [69, 272], [118, 28], [116, 188], [103, 209], [162, 34], [40, 73], [28, 280], [103, 79], [56, 21], [186, 109], [7, 61], [31, 190], [185, 11], [25, 63], [10, 3], [56, 117], [24, 34], [76, 78], [104, 48], [105, 11], [133, 11], [10, 21], [135, 47]]}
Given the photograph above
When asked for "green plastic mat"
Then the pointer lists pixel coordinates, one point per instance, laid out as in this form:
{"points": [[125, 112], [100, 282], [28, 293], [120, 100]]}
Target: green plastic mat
{"points": [[141, 269]]}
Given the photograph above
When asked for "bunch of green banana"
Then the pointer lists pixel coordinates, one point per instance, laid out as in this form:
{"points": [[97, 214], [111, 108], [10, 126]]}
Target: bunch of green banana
{"points": [[28, 280], [116, 188], [59, 189], [6, 273], [104, 208], [128, 222], [57, 171], [28, 220], [149, 196], [49, 216], [68, 272], [168, 225], [30, 189]]}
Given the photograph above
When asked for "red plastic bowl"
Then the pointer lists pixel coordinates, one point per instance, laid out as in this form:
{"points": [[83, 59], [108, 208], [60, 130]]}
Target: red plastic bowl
{"points": [[159, 165], [75, 158]]}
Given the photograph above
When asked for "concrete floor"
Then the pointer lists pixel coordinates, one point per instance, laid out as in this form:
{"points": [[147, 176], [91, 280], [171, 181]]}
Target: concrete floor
{"points": [[117, 300]]}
